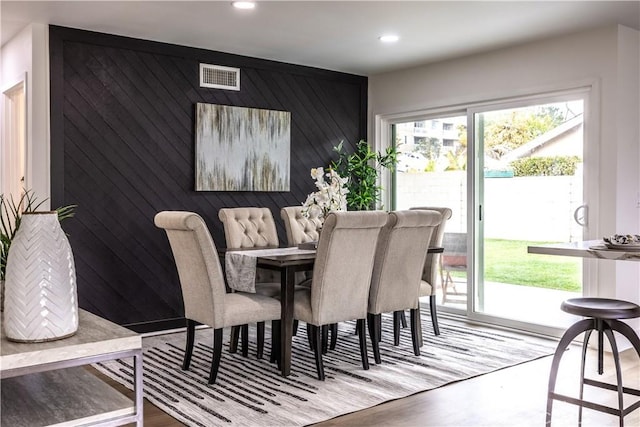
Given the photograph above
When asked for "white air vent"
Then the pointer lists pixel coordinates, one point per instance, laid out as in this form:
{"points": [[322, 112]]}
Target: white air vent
{"points": [[219, 77]]}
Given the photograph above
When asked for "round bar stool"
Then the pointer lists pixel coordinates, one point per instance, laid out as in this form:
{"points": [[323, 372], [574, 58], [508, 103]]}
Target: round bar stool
{"points": [[602, 315]]}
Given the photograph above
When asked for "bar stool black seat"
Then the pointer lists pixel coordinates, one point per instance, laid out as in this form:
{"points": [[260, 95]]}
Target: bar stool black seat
{"points": [[602, 315]]}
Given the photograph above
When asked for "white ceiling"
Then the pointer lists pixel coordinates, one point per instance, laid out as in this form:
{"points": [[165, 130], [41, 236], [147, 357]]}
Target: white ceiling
{"points": [[335, 35]]}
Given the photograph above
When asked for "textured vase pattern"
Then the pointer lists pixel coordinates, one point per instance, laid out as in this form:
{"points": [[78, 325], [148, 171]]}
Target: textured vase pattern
{"points": [[41, 302]]}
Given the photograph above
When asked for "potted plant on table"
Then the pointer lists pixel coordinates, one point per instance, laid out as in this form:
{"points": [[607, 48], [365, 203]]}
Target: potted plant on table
{"points": [[362, 169]]}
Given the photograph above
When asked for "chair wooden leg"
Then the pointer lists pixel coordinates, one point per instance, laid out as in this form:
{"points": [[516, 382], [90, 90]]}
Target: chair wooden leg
{"points": [[245, 340], [372, 323], [403, 319], [434, 314], [379, 327], [325, 339], [334, 335], [260, 340], [418, 314], [396, 327], [188, 351], [275, 341], [316, 332], [362, 330], [415, 330], [295, 327], [233, 340], [217, 354], [310, 336]]}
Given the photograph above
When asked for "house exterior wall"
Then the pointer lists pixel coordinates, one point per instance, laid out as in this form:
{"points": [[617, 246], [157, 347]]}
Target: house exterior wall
{"points": [[606, 59]]}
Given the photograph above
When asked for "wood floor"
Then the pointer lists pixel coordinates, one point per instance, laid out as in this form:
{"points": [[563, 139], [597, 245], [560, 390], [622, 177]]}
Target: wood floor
{"points": [[511, 397]]}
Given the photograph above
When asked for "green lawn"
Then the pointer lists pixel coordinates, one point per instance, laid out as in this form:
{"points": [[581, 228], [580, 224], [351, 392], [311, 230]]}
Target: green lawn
{"points": [[507, 261]]}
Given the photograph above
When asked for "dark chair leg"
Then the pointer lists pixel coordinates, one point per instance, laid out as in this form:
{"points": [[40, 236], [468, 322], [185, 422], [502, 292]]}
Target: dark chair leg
{"points": [[325, 339], [275, 341], [245, 340], [295, 327], [310, 336], [188, 350], [334, 336], [397, 315], [260, 339], [379, 327], [362, 330], [419, 314], [316, 333], [434, 315], [233, 340], [403, 319], [372, 322], [217, 354], [415, 330]]}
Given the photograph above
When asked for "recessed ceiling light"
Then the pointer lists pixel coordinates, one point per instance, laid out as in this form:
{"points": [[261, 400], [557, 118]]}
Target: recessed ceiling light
{"points": [[389, 38], [244, 4]]}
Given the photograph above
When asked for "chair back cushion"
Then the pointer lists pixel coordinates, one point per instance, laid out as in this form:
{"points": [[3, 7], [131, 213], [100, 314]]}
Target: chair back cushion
{"points": [[343, 266], [432, 263], [399, 261], [198, 265], [248, 227], [300, 229]]}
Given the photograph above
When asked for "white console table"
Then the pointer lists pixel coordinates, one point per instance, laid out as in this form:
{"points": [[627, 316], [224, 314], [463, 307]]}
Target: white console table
{"points": [[45, 384]]}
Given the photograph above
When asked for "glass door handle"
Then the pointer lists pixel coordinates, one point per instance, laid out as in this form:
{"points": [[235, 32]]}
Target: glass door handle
{"points": [[580, 215]]}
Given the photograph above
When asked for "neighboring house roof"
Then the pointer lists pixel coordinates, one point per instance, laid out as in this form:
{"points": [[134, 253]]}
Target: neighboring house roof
{"points": [[534, 145]]}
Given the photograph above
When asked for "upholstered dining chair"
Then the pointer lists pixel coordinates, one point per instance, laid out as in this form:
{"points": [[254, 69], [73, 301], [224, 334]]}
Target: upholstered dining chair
{"points": [[252, 227], [432, 265], [299, 228], [203, 287], [302, 229], [341, 277], [397, 272]]}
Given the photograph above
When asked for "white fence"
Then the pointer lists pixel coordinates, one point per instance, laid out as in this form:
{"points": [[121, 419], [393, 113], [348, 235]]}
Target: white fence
{"points": [[538, 208]]}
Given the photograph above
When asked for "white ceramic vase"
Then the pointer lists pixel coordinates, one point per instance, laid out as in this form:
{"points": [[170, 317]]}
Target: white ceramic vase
{"points": [[41, 302]]}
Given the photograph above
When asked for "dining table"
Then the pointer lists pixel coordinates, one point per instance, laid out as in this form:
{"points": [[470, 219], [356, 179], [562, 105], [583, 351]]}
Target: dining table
{"points": [[286, 261]]}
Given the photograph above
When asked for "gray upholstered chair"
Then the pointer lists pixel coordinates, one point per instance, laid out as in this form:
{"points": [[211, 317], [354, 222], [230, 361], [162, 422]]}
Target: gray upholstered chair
{"points": [[341, 277], [432, 265], [252, 227], [300, 229], [203, 288], [397, 272]]}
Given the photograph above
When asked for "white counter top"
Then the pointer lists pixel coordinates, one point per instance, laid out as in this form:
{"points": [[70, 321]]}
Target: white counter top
{"points": [[585, 249]]}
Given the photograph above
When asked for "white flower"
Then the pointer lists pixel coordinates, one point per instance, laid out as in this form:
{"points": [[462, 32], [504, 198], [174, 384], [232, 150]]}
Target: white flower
{"points": [[331, 195]]}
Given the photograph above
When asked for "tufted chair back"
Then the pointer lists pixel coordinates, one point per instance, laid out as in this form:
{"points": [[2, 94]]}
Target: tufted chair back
{"points": [[300, 229], [248, 227], [251, 227]]}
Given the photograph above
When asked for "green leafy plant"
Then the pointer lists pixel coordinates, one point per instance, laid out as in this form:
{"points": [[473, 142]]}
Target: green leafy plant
{"points": [[546, 166], [10, 216], [362, 168]]}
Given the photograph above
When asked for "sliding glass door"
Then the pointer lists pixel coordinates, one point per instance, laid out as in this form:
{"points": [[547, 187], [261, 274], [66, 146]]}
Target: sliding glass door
{"points": [[512, 174], [529, 190]]}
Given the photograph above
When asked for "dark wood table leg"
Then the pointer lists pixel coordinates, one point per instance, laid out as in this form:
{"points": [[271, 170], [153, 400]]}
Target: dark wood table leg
{"points": [[287, 282]]}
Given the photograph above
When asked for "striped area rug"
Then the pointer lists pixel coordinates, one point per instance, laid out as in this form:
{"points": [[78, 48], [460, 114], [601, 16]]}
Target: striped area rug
{"points": [[250, 392]]}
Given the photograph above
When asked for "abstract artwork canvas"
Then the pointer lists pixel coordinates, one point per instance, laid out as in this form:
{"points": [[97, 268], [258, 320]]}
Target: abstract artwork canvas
{"points": [[242, 149]]}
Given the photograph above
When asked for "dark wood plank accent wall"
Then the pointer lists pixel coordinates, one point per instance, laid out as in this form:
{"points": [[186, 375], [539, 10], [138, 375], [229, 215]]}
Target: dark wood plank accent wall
{"points": [[122, 149]]}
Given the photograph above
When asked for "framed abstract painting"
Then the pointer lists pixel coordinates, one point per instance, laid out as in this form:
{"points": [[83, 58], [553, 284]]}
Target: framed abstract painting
{"points": [[242, 149]]}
